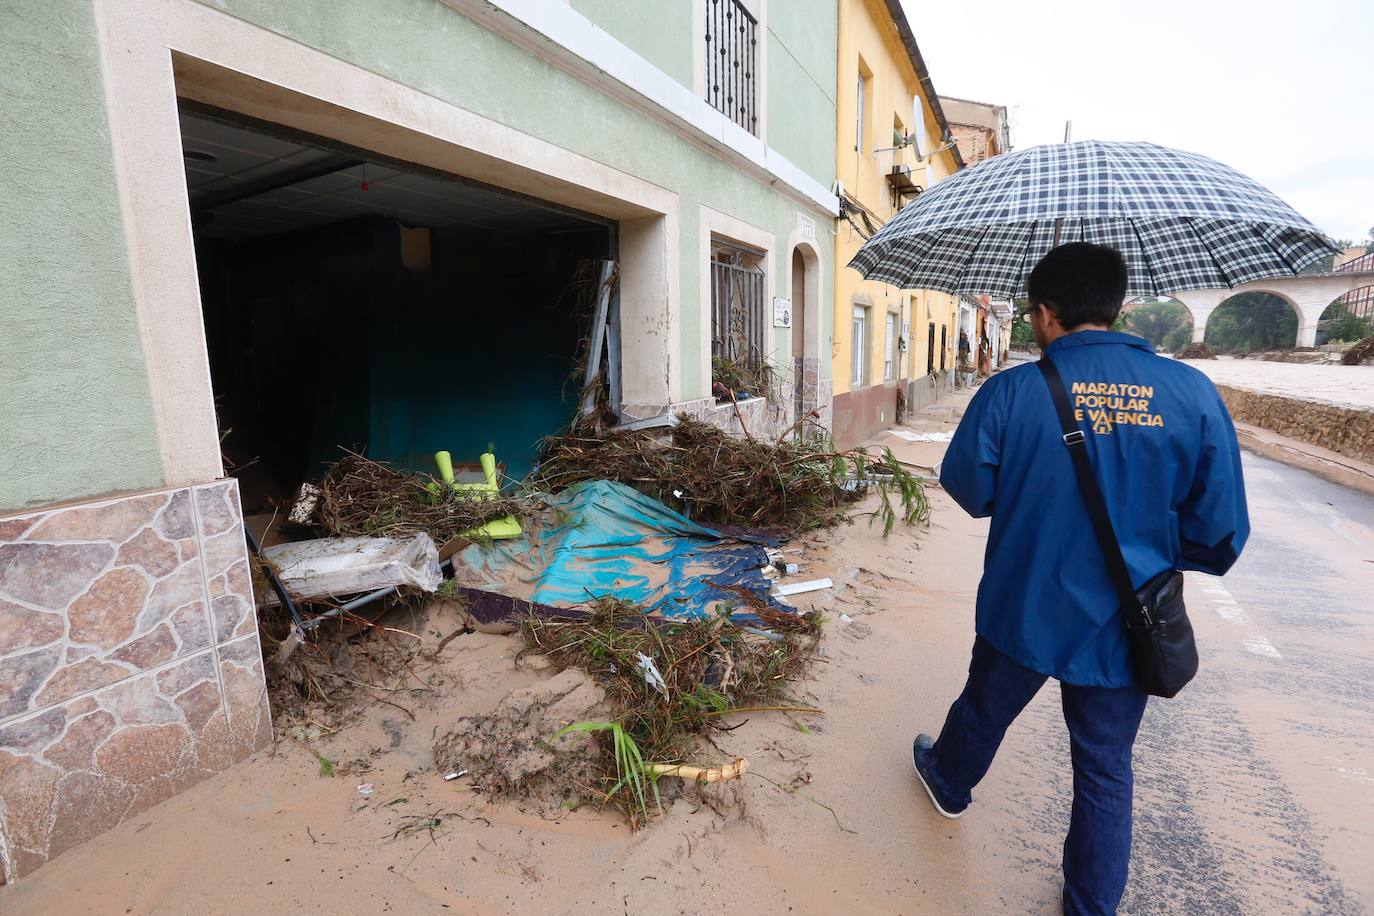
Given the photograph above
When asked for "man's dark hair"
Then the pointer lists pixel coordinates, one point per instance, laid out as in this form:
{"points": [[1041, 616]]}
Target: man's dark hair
{"points": [[1080, 283]]}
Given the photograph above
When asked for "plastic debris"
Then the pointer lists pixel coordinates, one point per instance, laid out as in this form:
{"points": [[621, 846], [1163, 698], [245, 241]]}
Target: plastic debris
{"points": [[346, 566], [652, 676], [365, 789], [800, 588]]}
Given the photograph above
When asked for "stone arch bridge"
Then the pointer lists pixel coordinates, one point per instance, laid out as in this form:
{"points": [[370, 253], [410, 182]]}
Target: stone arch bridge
{"points": [[1308, 294]]}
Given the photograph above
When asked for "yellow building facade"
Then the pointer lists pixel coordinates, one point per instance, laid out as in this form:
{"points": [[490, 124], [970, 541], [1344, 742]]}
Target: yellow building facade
{"points": [[891, 141]]}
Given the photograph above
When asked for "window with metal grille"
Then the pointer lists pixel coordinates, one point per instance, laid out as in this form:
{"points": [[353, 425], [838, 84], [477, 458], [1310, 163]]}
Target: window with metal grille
{"points": [[944, 347], [732, 57], [738, 329], [930, 350]]}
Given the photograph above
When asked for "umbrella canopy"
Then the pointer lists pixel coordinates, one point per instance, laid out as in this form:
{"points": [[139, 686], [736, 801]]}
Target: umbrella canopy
{"points": [[1181, 221]]}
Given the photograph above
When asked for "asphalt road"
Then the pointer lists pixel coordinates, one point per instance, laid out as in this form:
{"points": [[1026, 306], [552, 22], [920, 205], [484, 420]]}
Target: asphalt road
{"points": [[1275, 806], [1255, 787]]}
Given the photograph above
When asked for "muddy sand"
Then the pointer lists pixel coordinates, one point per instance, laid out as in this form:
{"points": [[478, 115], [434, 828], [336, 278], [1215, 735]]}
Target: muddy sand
{"points": [[828, 819]]}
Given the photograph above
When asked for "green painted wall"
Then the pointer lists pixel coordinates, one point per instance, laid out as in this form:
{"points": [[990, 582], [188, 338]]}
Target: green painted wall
{"points": [[660, 31], [802, 57], [424, 44], [75, 409], [75, 412]]}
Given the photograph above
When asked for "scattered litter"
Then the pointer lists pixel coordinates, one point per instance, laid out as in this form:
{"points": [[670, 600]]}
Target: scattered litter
{"points": [[710, 668], [790, 569], [845, 618], [800, 588], [766, 634], [652, 676], [909, 436], [454, 775], [346, 566], [365, 789]]}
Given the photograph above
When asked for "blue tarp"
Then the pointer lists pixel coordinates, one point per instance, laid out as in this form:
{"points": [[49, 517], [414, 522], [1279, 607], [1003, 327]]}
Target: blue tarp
{"points": [[602, 538]]}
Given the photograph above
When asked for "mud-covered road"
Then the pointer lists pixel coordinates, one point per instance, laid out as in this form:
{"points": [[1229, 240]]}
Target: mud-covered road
{"points": [[1264, 797], [1256, 785]]}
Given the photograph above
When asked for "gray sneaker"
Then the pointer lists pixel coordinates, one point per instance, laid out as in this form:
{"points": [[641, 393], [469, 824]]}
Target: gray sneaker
{"points": [[921, 751]]}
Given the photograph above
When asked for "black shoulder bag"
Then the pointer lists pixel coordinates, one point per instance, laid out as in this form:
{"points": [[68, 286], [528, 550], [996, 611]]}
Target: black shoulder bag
{"points": [[1163, 652]]}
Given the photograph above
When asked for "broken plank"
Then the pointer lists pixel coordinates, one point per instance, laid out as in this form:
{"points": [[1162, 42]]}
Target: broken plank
{"points": [[799, 588], [598, 341]]}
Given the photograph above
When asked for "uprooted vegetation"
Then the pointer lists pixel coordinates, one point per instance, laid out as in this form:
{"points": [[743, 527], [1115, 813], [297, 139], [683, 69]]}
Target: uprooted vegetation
{"points": [[1196, 351], [637, 696], [788, 485], [361, 497], [1361, 352]]}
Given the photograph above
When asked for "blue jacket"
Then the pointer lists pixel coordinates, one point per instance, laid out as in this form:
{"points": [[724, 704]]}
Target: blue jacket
{"points": [[1166, 456]]}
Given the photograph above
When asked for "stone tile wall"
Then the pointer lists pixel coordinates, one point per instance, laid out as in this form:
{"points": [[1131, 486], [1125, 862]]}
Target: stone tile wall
{"points": [[129, 662]]}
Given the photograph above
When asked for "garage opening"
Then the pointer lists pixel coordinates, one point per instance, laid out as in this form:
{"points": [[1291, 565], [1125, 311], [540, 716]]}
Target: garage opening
{"points": [[353, 302]]}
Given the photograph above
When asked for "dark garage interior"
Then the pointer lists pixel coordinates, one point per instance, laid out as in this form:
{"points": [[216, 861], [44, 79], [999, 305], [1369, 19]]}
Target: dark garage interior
{"points": [[354, 303]]}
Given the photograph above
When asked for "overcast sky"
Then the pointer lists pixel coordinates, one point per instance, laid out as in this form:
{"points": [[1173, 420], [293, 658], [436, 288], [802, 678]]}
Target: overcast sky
{"points": [[1282, 92]]}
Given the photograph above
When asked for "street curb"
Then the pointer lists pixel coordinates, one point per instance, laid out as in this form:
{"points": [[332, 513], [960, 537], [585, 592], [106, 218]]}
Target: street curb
{"points": [[1324, 463]]}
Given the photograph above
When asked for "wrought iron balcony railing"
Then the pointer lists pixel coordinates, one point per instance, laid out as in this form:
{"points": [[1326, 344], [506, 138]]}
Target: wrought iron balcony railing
{"points": [[732, 57]]}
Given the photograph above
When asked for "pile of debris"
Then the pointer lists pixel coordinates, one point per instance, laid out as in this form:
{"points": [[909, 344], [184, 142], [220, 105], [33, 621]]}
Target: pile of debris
{"points": [[363, 497], [659, 684], [1361, 352], [1196, 351], [793, 484], [643, 563]]}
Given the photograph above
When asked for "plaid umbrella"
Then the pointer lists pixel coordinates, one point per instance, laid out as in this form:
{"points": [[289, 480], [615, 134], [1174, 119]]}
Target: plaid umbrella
{"points": [[1181, 221]]}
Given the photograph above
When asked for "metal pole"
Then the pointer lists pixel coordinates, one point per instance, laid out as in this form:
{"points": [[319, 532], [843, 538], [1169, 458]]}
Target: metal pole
{"points": [[1059, 223]]}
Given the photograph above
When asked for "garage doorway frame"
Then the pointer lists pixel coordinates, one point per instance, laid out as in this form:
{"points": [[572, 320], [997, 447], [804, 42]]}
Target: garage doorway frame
{"points": [[203, 56]]}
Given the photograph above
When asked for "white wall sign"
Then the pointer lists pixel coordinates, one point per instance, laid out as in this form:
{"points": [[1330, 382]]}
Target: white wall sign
{"points": [[782, 313], [806, 228]]}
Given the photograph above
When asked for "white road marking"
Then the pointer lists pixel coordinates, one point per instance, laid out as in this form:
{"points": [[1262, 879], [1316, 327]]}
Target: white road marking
{"points": [[1228, 608], [1262, 646]]}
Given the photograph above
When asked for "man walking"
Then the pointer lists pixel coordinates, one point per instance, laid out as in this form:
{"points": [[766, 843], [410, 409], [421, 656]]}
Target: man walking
{"points": [[1165, 453]]}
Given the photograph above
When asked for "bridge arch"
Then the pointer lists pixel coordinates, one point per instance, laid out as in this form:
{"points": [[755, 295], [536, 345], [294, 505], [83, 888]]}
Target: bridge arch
{"points": [[1308, 294], [1254, 319]]}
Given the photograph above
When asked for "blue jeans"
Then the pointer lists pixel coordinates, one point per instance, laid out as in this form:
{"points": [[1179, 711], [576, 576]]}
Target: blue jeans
{"points": [[1102, 725]]}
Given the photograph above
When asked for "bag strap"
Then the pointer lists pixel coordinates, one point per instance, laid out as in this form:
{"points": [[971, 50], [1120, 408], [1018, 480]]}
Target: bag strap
{"points": [[1076, 442]]}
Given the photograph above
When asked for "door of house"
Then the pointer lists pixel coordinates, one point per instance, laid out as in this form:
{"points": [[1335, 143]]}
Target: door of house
{"points": [[798, 333]]}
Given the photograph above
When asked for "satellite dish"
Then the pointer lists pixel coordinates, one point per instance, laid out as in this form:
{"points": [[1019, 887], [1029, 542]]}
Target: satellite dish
{"points": [[918, 126]]}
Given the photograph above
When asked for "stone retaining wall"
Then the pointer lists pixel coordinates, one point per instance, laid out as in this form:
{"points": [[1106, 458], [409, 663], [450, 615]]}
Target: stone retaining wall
{"points": [[1344, 430], [129, 662]]}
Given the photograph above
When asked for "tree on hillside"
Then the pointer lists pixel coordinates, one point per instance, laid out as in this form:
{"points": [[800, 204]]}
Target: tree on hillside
{"points": [[1022, 334], [1252, 321], [1166, 325], [1348, 327]]}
